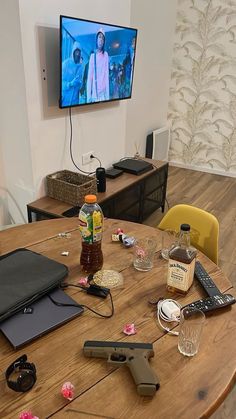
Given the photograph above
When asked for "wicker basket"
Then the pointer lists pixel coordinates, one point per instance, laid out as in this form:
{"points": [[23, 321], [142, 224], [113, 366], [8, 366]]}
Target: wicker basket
{"points": [[70, 187]]}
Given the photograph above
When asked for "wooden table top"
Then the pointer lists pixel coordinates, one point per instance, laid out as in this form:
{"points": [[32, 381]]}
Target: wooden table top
{"points": [[188, 387]]}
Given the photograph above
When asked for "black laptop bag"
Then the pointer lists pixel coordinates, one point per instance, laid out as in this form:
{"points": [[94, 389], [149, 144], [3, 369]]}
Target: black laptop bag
{"points": [[25, 276]]}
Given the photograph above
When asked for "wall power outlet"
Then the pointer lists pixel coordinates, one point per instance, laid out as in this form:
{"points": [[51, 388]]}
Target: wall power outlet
{"points": [[86, 157]]}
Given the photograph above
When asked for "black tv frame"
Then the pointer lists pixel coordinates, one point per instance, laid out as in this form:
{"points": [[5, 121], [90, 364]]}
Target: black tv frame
{"points": [[60, 61]]}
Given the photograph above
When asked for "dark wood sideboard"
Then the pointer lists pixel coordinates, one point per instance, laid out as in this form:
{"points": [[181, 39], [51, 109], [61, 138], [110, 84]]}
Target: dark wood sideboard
{"points": [[128, 197]]}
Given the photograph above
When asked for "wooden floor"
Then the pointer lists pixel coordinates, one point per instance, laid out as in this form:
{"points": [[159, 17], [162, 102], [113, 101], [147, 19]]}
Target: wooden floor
{"points": [[216, 194]]}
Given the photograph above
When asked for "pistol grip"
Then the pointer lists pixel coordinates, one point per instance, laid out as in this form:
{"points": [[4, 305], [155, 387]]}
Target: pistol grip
{"points": [[145, 378]]}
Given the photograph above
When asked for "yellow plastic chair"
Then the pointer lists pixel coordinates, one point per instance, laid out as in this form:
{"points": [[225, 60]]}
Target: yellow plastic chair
{"points": [[204, 227]]}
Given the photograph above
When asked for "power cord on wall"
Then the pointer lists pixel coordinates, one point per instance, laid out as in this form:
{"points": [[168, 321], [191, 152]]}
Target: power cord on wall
{"points": [[93, 157], [71, 152]]}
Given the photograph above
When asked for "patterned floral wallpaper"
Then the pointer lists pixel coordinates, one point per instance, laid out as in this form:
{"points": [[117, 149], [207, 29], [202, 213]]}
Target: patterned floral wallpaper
{"points": [[202, 107]]}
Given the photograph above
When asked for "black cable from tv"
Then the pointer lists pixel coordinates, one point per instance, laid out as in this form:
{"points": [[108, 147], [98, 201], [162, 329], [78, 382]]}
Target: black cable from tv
{"points": [[71, 153], [93, 157]]}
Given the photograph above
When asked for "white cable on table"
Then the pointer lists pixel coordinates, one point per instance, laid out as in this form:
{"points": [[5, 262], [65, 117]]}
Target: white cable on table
{"points": [[169, 311]]}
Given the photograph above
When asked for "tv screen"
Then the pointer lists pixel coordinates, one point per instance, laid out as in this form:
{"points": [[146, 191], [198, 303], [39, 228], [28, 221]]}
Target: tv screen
{"points": [[96, 60]]}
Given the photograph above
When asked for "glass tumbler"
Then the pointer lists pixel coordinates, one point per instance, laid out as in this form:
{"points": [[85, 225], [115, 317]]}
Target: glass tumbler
{"points": [[144, 251], [191, 325], [168, 240]]}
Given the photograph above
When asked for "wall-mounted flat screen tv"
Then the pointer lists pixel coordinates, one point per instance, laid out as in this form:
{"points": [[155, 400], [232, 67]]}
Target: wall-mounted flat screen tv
{"points": [[96, 62]]}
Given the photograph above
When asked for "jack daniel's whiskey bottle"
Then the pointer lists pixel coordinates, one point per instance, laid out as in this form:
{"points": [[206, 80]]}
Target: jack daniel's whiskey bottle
{"points": [[181, 263]]}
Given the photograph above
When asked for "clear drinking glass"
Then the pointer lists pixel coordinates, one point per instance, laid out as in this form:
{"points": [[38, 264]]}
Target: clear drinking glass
{"points": [[144, 251], [168, 240], [191, 324]]}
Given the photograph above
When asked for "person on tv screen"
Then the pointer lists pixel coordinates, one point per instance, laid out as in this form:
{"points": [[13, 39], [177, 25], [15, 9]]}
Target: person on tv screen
{"points": [[98, 71], [129, 65], [72, 71]]}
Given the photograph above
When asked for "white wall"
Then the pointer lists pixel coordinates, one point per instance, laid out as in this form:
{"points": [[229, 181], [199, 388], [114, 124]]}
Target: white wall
{"points": [[16, 182], [40, 133], [147, 110], [98, 128]]}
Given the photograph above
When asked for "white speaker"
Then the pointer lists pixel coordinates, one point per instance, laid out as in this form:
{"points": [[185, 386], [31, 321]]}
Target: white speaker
{"points": [[157, 144]]}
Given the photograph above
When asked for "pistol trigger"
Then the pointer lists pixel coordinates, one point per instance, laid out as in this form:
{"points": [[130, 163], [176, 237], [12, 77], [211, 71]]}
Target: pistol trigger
{"points": [[116, 357]]}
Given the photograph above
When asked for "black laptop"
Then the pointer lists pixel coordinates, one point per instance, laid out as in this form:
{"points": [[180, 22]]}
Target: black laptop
{"points": [[39, 318], [133, 166]]}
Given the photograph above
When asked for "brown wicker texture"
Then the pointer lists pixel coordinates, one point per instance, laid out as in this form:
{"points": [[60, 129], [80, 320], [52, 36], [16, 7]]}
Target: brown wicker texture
{"points": [[70, 187]]}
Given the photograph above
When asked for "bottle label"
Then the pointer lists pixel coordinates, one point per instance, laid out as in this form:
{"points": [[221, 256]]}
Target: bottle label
{"points": [[180, 275], [90, 226], [97, 226]]}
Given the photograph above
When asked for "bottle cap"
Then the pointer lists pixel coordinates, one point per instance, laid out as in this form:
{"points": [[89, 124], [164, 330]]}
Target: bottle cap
{"points": [[90, 199], [185, 227]]}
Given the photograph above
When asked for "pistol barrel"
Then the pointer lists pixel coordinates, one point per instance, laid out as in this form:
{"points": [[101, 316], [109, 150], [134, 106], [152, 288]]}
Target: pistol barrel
{"points": [[107, 344]]}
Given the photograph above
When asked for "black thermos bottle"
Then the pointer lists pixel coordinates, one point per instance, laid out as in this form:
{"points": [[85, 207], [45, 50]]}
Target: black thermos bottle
{"points": [[101, 179]]}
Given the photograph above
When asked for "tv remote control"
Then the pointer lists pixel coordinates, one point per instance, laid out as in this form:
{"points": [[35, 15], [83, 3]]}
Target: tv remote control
{"points": [[205, 280], [213, 303]]}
